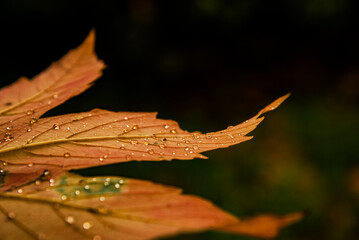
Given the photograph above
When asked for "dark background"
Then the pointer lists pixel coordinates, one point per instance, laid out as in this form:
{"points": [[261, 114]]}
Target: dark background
{"points": [[213, 63]]}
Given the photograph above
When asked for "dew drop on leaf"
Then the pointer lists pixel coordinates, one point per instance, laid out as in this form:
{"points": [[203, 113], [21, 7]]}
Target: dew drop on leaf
{"points": [[135, 127], [30, 112], [186, 148], [8, 137], [46, 172], [87, 187], [11, 215], [70, 219], [150, 151], [102, 199], [117, 185], [87, 225], [97, 237], [55, 96], [28, 130], [77, 192], [134, 141], [30, 164], [66, 155], [173, 131], [63, 197], [32, 121], [19, 190], [56, 126]]}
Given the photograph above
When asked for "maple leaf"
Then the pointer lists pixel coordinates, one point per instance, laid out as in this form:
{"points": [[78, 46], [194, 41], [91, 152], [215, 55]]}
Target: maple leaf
{"points": [[36, 154], [75, 207]]}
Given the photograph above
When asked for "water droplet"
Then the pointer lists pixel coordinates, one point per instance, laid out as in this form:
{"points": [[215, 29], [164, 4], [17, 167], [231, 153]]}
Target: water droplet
{"points": [[135, 127], [128, 157], [122, 148], [55, 95], [66, 155], [52, 182], [134, 141], [30, 112], [87, 225], [8, 128], [121, 181], [63, 197], [162, 145], [125, 118], [167, 126], [46, 172], [104, 156], [49, 102], [231, 136], [56, 126], [30, 164], [19, 190], [32, 121], [87, 187], [11, 215], [106, 183], [37, 182], [29, 141], [97, 237], [186, 148], [195, 147], [187, 141], [28, 130], [101, 159], [173, 131], [77, 192], [150, 151], [70, 219], [8, 137], [117, 185], [102, 199], [125, 131], [68, 128]]}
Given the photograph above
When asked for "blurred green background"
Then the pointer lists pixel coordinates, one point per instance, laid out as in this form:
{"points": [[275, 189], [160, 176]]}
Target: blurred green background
{"points": [[212, 63]]}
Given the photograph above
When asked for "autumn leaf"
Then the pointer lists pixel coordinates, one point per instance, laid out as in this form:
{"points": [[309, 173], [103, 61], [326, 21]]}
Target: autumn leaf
{"points": [[74, 207], [36, 153], [23, 102]]}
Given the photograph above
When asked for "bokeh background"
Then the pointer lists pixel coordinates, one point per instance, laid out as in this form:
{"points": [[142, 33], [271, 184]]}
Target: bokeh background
{"points": [[213, 63]]}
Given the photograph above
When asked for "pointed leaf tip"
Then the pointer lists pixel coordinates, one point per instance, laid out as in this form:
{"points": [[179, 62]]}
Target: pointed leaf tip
{"points": [[273, 105]]}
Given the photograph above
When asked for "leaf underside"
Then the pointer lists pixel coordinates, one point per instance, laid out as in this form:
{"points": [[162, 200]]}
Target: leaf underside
{"points": [[75, 207], [39, 199]]}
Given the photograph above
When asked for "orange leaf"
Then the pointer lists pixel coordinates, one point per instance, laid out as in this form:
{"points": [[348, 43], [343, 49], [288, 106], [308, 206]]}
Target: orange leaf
{"points": [[23, 102], [75, 207], [264, 226], [101, 137]]}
